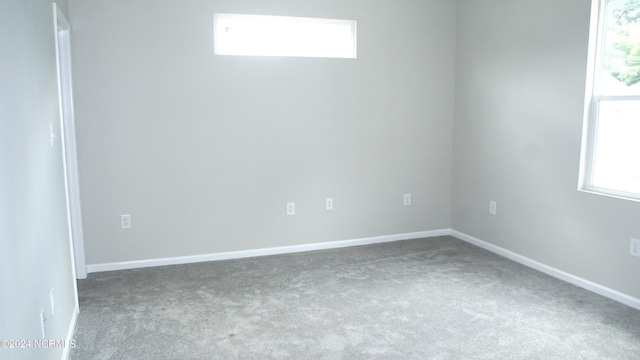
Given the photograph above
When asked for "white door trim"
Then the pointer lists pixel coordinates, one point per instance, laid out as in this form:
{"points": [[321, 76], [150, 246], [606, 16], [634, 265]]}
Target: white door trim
{"points": [[67, 129]]}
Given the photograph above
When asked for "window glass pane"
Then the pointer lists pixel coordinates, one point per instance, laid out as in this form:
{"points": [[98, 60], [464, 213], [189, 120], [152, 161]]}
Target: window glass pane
{"points": [[611, 155], [260, 35], [621, 75], [617, 147]]}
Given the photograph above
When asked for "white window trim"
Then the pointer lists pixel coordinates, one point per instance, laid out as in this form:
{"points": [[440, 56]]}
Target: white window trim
{"points": [[592, 102]]}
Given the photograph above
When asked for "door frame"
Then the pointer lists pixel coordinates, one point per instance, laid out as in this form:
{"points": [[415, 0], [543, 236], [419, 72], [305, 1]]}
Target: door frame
{"points": [[68, 135]]}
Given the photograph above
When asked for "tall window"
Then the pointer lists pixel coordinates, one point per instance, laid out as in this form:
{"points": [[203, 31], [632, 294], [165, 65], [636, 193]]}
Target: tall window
{"points": [[611, 150], [261, 35]]}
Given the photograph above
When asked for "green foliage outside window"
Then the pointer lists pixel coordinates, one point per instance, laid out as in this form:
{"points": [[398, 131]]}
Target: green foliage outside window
{"points": [[623, 40]]}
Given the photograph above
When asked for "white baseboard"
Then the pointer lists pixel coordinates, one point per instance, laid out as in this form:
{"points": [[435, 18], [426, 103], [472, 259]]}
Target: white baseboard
{"points": [[70, 333], [559, 274], [262, 252]]}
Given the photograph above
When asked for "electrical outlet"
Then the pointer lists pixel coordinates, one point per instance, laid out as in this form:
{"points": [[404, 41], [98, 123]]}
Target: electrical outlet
{"points": [[328, 204], [407, 200], [291, 208], [125, 222], [43, 322], [635, 247], [52, 298], [493, 207]]}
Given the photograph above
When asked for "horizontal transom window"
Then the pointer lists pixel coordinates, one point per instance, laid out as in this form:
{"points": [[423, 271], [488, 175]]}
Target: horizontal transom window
{"points": [[261, 35]]}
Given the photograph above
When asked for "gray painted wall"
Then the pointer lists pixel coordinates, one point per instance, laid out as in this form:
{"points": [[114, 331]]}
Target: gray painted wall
{"points": [[34, 245], [204, 151], [521, 69]]}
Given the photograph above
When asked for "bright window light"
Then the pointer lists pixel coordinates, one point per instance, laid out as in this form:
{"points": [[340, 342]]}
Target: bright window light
{"points": [[260, 35], [611, 145]]}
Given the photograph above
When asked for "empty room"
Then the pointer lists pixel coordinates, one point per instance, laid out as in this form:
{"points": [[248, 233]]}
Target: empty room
{"points": [[320, 179]]}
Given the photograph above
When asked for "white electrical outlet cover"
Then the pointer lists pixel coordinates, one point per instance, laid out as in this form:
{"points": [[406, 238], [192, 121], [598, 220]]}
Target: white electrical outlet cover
{"points": [[634, 248], [329, 204], [291, 208], [125, 221]]}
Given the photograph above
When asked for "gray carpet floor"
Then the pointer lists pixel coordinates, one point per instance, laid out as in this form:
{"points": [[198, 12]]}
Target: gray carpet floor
{"points": [[435, 298]]}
